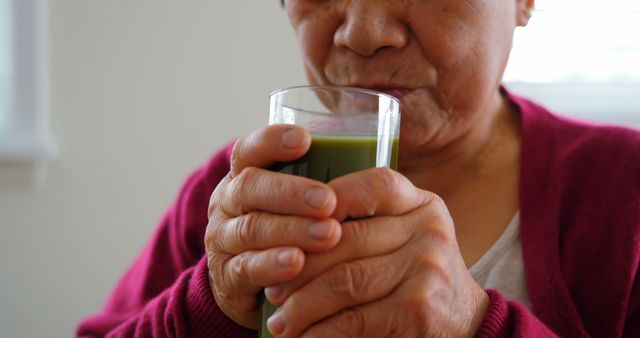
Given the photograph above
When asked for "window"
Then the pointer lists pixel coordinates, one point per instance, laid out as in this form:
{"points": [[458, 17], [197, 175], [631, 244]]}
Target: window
{"points": [[6, 61], [24, 130], [581, 57]]}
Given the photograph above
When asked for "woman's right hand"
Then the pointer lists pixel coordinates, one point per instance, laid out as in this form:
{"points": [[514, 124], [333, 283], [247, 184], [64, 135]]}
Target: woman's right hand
{"points": [[261, 223]]}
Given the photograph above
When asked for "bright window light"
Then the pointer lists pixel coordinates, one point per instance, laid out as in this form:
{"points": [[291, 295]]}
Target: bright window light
{"points": [[578, 41], [6, 63], [24, 124]]}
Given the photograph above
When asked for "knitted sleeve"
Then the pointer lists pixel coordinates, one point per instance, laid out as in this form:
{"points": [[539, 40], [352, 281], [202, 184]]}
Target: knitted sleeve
{"points": [[510, 319]]}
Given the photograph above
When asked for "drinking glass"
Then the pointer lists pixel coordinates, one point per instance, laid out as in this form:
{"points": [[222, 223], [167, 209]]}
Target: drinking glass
{"points": [[351, 129]]}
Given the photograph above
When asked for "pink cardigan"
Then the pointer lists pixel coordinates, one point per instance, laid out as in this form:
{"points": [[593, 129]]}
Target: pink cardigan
{"points": [[580, 232]]}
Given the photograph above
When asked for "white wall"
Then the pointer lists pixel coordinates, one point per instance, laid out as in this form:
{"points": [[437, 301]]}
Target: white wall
{"points": [[142, 92]]}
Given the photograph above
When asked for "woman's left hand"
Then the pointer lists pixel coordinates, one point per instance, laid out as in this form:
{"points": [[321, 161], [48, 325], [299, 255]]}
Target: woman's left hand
{"points": [[397, 271]]}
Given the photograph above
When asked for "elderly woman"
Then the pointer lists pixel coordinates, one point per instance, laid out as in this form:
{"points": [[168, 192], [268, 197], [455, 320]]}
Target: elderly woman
{"points": [[502, 220]]}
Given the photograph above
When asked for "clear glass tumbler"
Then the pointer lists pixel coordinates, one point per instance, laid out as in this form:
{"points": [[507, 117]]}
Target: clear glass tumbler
{"points": [[351, 129]]}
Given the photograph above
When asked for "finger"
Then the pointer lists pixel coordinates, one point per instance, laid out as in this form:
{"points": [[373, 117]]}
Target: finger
{"points": [[237, 279], [343, 286], [408, 311], [360, 239], [260, 230], [417, 298], [256, 189], [377, 191], [262, 148], [249, 272], [377, 319]]}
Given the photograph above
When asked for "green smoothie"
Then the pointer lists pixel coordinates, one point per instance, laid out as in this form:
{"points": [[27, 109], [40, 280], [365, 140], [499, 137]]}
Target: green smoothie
{"points": [[329, 156]]}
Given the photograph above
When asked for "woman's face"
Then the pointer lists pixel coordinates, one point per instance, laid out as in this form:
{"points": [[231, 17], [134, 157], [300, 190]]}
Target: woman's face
{"points": [[442, 58]]}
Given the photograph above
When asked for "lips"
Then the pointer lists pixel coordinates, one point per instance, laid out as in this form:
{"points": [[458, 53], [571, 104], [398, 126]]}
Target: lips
{"points": [[395, 92]]}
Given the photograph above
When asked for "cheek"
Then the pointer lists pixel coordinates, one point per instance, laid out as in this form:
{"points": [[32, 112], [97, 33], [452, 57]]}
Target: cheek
{"points": [[469, 49], [313, 44], [315, 36]]}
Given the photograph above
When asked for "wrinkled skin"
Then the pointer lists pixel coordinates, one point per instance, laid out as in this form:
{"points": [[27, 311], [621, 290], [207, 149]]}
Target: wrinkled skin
{"points": [[374, 253]]}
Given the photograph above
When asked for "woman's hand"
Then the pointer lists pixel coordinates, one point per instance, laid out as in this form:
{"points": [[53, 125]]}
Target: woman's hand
{"points": [[397, 271], [261, 223]]}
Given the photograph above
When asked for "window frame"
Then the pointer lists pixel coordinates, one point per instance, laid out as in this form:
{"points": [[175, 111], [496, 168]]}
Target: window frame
{"points": [[27, 137], [613, 100]]}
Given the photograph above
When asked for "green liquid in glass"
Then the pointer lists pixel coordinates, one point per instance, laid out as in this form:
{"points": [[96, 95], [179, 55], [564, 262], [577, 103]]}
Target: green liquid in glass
{"points": [[329, 156], [332, 156]]}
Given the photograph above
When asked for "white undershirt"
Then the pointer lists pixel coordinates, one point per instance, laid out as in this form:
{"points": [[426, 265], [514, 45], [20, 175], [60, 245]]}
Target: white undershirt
{"points": [[502, 267]]}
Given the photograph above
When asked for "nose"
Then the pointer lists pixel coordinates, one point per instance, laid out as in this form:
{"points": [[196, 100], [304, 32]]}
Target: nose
{"points": [[370, 26]]}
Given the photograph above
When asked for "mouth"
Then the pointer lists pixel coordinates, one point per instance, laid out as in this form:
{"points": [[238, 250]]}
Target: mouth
{"points": [[396, 92], [393, 90]]}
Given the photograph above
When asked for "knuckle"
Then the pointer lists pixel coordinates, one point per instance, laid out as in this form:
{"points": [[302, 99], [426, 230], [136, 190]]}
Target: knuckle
{"points": [[354, 233], [439, 235], [396, 324], [239, 269], [243, 230], [429, 303], [436, 200], [238, 152], [211, 227], [288, 189], [427, 265], [447, 240], [378, 184], [223, 284], [436, 228], [241, 185], [385, 180], [348, 282], [210, 236], [213, 237], [235, 153], [214, 263], [440, 206], [217, 279], [222, 300], [213, 208], [422, 312], [353, 324], [217, 195], [213, 204], [417, 309], [367, 202], [222, 297]]}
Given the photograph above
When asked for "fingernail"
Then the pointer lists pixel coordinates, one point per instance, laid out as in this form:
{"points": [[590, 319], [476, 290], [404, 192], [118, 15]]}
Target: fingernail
{"points": [[275, 323], [293, 138], [286, 258], [317, 197], [321, 230], [274, 292]]}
